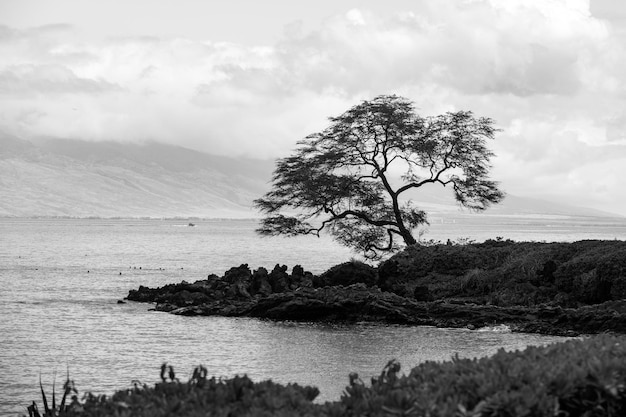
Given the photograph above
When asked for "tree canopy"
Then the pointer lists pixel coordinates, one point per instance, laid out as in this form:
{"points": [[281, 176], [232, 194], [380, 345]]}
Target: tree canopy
{"points": [[350, 179]]}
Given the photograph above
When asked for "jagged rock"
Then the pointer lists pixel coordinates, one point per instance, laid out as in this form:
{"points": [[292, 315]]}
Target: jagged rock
{"points": [[260, 283], [317, 281], [212, 282], [306, 280], [279, 279], [297, 273], [143, 294], [237, 282], [186, 297], [165, 307], [238, 274], [240, 290]]}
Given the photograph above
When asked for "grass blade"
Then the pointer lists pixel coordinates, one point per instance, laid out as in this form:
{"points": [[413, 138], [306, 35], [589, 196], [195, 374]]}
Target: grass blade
{"points": [[54, 402], [66, 390], [45, 400], [33, 411]]}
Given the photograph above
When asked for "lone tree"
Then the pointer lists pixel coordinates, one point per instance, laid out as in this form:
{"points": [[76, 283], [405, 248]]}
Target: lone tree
{"points": [[350, 178]]}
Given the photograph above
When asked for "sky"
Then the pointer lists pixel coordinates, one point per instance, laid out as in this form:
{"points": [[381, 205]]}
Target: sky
{"points": [[251, 78]]}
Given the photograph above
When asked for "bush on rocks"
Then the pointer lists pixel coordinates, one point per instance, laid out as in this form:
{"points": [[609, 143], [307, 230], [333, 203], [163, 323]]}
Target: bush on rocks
{"points": [[349, 273], [507, 273]]}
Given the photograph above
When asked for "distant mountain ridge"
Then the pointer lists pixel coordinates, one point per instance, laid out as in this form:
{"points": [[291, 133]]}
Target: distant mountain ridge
{"points": [[73, 178], [440, 200], [110, 179]]}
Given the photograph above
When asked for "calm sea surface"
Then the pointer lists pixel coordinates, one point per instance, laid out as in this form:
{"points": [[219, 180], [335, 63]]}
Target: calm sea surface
{"points": [[60, 281]]}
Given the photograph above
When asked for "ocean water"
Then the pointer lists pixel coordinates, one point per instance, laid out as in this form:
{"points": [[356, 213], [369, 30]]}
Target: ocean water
{"points": [[60, 280]]}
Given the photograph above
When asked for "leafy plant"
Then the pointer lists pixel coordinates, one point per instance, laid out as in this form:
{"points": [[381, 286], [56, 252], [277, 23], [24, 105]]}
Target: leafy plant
{"points": [[581, 377], [68, 388]]}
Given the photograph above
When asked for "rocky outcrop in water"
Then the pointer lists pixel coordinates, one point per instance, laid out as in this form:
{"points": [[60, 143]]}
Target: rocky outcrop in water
{"points": [[300, 295]]}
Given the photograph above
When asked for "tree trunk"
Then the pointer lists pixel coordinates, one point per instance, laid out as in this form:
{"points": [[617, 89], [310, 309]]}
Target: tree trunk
{"points": [[406, 233], [407, 236]]}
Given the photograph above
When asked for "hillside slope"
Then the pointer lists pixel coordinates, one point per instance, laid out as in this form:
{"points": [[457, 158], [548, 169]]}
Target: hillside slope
{"points": [[83, 179], [57, 177]]}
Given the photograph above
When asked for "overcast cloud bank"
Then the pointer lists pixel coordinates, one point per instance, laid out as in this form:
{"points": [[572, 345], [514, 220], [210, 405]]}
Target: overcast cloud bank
{"points": [[549, 72]]}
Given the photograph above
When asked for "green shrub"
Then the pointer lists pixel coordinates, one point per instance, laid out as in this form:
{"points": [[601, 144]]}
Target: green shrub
{"points": [[510, 273], [596, 274], [349, 273], [579, 377], [477, 282], [583, 377], [201, 396]]}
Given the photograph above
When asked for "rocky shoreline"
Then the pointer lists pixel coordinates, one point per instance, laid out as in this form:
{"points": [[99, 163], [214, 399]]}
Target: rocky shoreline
{"points": [[302, 296]]}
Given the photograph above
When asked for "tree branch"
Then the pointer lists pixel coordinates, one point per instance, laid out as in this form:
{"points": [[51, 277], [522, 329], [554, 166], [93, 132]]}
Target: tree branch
{"points": [[362, 216], [375, 248]]}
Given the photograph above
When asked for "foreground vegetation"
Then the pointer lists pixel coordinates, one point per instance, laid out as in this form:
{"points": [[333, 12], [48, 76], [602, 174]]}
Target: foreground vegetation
{"points": [[584, 377]]}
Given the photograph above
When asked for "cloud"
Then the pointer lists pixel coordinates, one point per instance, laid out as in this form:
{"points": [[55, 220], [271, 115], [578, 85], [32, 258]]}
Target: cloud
{"points": [[8, 33], [568, 161], [548, 71], [473, 47], [24, 80]]}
